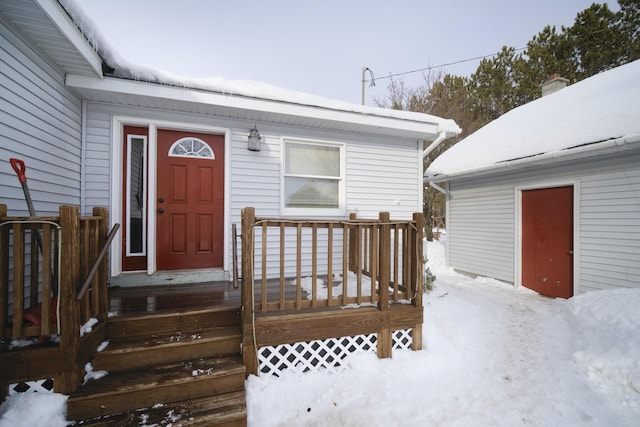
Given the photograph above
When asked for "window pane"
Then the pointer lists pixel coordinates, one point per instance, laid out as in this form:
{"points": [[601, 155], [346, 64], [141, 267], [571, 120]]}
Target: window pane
{"points": [[311, 193], [307, 159], [191, 147], [136, 196]]}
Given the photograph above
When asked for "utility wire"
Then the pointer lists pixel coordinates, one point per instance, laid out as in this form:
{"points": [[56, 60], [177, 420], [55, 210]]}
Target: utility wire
{"points": [[390, 76]]}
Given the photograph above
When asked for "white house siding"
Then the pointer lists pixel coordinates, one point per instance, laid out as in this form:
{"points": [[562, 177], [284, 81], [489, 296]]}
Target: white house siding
{"points": [[381, 174], [481, 223], [384, 176], [97, 173], [40, 123]]}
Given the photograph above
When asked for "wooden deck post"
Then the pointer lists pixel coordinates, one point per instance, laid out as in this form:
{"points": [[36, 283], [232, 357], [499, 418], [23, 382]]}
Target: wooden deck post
{"points": [[4, 271], [70, 381], [4, 292], [249, 350], [18, 279], [100, 298], [418, 272], [385, 336], [353, 243]]}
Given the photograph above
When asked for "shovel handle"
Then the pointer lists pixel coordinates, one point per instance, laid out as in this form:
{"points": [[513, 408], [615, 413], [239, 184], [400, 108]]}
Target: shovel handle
{"points": [[20, 168]]}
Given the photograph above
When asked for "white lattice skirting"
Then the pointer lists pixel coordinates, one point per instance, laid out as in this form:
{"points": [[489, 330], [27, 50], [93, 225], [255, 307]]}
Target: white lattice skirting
{"points": [[37, 386], [328, 354]]}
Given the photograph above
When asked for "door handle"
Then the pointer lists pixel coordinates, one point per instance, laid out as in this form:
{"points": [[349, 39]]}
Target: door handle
{"points": [[160, 210], [160, 200], [570, 252]]}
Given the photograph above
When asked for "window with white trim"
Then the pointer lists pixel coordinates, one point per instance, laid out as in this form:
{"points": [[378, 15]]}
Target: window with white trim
{"points": [[313, 178]]}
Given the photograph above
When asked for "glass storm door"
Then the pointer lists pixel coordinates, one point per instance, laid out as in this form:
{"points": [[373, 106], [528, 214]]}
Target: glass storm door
{"points": [[190, 200]]}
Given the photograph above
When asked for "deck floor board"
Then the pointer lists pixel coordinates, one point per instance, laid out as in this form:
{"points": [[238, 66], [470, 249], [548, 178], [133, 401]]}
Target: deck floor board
{"points": [[156, 299]]}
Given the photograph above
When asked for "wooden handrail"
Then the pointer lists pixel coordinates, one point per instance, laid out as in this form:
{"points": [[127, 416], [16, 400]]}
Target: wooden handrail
{"points": [[96, 264]]}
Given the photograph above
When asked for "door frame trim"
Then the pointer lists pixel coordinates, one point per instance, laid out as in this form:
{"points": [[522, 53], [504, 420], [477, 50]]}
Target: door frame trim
{"points": [[117, 125], [540, 185]]}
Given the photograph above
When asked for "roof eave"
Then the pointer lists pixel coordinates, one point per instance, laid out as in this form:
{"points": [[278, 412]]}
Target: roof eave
{"points": [[533, 160], [60, 18], [109, 85]]}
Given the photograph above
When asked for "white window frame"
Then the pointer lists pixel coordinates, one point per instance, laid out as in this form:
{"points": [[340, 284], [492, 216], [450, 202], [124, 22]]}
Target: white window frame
{"points": [[341, 180]]}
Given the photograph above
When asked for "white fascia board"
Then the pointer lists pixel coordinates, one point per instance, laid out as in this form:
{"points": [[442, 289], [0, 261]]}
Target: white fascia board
{"points": [[61, 20], [115, 85]]}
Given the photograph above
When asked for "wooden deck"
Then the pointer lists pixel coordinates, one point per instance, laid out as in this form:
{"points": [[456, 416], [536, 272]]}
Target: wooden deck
{"points": [[141, 300], [364, 278]]}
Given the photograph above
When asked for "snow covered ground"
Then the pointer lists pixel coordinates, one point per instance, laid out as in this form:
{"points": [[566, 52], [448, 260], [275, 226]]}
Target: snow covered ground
{"points": [[493, 356]]}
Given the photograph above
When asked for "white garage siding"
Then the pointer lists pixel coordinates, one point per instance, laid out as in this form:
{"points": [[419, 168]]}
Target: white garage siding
{"points": [[610, 230], [482, 219], [480, 231], [40, 123]]}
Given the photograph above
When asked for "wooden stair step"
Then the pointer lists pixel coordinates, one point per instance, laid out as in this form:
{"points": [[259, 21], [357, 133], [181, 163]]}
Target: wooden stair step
{"points": [[193, 320], [228, 410], [134, 352], [124, 391]]}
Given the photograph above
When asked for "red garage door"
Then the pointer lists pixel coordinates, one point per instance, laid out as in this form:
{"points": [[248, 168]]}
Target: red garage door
{"points": [[547, 241]]}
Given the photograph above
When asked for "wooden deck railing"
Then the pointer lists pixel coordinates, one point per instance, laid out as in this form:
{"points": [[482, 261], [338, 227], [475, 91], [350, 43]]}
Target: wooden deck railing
{"points": [[52, 276], [355, 261], [298, 265]]}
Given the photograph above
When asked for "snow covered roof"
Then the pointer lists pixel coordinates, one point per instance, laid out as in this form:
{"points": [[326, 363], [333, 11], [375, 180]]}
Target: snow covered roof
{"points": [[600, 111], [249, 90]]}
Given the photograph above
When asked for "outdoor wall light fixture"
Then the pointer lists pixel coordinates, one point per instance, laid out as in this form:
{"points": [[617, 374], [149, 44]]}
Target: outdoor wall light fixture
{"points": [[254, 140]]}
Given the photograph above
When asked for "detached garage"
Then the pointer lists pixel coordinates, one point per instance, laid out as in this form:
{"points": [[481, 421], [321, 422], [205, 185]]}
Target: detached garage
{"points": [[548, 195]]}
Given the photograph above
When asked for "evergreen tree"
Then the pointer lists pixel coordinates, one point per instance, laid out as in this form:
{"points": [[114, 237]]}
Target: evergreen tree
{"points": [[596, 42], [549, 52], [628, 25]]}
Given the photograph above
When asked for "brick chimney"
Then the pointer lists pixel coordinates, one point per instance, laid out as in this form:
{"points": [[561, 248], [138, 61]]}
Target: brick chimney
{"points": [[553, 84]]}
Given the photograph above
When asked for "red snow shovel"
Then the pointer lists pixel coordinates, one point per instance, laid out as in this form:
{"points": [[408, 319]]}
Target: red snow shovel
{"points": [[20, 168], [34, 314]]}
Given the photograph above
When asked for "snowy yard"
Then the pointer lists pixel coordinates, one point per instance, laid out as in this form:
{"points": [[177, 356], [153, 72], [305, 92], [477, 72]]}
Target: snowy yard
{"points": [[493, 356]]}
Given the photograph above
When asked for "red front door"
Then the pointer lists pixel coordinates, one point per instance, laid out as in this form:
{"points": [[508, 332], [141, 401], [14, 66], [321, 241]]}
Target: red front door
{"points": [[547, 241], [190, 200]]}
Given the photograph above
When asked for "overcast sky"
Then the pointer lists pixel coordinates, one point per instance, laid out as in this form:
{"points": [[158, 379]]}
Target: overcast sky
{"points": [[320, 47]]}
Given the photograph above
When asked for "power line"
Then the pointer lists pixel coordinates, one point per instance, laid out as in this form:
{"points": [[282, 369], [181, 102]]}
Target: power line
{"points": [[390, 76]]}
